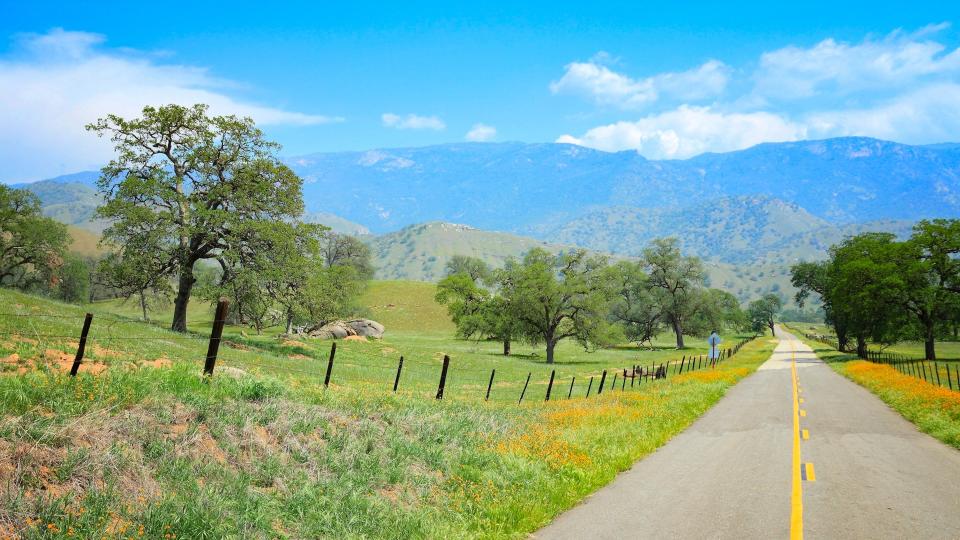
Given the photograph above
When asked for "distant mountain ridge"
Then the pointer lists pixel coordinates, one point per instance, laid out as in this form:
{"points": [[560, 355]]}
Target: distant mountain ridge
{"points": [[533, 188]]}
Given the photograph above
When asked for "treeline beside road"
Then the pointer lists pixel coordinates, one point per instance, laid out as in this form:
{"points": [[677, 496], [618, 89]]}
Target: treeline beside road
{"points": [[544, 298], [874, 288]]}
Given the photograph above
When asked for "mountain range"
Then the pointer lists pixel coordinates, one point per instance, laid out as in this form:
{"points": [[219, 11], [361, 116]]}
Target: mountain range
{"points": [[749, 214]]}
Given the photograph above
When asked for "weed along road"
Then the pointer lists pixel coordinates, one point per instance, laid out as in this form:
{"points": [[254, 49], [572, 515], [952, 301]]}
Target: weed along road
{"points": [[795, 450]]}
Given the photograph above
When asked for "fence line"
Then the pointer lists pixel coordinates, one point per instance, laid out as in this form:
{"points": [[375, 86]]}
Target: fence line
{"points": [[637, 374], [926, 370]]}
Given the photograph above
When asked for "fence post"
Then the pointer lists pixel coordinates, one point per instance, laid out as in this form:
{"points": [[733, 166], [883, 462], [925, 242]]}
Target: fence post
{"points": [[682, 360], [333, 353], [218, 319], [490, 384], [613, 384], [949, 380], [633, 376], [589, 386], [936, 368], [603, 377], [83, 344], [443, 376], [623, 385], [396, 382], [570, 393], [550, 384], [524, 389]]}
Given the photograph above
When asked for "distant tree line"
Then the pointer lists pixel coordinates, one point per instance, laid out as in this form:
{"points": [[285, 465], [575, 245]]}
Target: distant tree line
{"points": [[876, 288], [197, 205], [544, 298]]}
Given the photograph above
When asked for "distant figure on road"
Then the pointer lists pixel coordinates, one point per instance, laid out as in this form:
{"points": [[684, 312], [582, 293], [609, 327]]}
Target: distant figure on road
{"points": [[714, 342]]}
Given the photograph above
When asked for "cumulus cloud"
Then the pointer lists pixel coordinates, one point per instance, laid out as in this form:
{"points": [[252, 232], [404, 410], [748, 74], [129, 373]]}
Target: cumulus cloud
{"points": [[412, 121], [903, 86], [893, 62], [55, 83], [481, 133], [606, 87], [688, 131]]}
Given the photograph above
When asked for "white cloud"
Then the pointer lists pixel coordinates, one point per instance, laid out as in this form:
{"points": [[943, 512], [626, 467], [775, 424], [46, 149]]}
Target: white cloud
{"points": [[895, 61], [481, 133], [688, 131], [412, 121], [606, 87], [58, 82], [926, 115], [903, 87]]}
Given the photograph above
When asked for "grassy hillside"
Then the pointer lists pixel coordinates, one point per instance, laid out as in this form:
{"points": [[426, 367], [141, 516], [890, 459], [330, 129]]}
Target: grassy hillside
{"points": [[84, 242], [404, 306], [420, 252], [138, 445]]}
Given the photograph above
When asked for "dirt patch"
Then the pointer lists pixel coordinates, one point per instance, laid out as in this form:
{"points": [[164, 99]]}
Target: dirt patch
{"points": [[354, 338], [293, 343], [161, 362], [11, 359], [101, 352]]}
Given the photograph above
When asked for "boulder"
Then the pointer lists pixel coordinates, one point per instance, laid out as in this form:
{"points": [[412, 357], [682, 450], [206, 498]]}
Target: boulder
{"points": [[367, 328], [343, 329]]}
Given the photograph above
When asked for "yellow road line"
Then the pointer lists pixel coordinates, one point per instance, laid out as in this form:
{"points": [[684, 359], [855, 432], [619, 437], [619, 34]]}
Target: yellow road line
{"points": [[803, 413], [796, 496], [805, 433], [801, 401], [811, 475]]}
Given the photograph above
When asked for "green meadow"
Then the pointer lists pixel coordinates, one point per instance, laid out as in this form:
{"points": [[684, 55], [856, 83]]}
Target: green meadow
{"points": [[139, 445]]}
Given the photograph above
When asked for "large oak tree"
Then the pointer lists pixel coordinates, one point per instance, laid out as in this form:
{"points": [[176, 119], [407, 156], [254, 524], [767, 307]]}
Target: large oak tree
{"points": [[186, 186]]}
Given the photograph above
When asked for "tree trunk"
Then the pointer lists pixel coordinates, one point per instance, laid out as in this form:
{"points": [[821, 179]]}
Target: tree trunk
{"points": [[506, 347], [861, 346], [550, 345], [289, 322], [183, 299], [773, 331], [842, 340], [143, 306], [929, 341], [678, 330]]}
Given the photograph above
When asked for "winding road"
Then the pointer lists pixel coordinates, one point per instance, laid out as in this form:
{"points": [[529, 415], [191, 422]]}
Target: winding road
{"points": [[793, 450]]}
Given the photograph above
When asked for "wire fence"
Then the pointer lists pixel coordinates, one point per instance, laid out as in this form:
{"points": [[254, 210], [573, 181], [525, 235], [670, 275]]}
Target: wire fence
{"points": [[473, 381], [942, 374]]}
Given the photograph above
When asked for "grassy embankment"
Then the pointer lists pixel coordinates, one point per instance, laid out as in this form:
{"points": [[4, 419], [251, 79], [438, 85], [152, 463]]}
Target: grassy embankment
{"points": [[934, 409], [139, 445]]}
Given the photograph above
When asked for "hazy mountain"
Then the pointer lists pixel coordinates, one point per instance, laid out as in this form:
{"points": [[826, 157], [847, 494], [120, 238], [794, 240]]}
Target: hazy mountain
{"points": [[537, 188]]}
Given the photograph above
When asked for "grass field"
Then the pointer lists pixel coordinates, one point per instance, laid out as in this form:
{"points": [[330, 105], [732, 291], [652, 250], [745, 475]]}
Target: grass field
{"points": [[946, 350], [139, 445], [935, 409]]}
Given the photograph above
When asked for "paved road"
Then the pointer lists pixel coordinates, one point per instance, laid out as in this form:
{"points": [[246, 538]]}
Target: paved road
{"points": [[732, 473]]}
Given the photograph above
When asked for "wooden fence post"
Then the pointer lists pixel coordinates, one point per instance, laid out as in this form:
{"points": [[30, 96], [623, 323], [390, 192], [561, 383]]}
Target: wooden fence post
{"points": [[333, 353], [613, 383], [490, 384], [937, 369], [522, 393], [682, 360], [218, 319], [589, 386], [550, 384], [603, 377], [443, 376], [83, 344], [570, 393], [396, 382]]}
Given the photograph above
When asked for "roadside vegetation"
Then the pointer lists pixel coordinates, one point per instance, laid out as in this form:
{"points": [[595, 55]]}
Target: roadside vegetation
{"points": [[137, 443], [934, 409], [876, 288]]}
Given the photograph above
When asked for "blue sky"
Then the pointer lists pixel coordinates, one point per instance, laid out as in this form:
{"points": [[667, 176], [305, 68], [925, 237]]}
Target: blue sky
{"points": [[667, 81]]}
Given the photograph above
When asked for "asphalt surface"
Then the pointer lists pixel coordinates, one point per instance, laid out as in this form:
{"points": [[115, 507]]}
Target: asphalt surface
{"points": [[866, 472]]}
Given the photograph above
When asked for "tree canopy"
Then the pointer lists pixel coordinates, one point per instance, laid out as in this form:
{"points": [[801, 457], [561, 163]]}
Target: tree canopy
{"points": [[185, 186], [32, 247]]}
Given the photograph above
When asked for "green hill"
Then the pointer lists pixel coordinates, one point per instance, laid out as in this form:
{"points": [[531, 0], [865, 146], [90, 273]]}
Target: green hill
{"points": [[420, 252]]}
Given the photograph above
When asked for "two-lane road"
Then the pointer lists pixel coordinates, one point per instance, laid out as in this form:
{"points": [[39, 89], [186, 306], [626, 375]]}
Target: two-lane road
{"points": [[795, 449]]}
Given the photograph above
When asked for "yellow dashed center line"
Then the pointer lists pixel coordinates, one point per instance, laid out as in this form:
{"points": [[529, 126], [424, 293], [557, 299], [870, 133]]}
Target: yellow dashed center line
{"points": [[803, 413], [796, 497], [805, 434]]}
